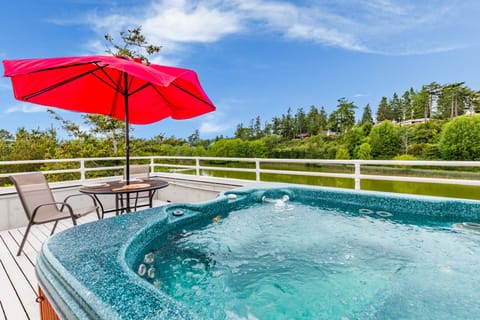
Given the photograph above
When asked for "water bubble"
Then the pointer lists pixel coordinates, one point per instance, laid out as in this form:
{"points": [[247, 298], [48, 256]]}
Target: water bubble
{"points": [[365, 211], [151, 273], [149, 258], [384, 214], [141, 270], [285, 198], [232, 196]]}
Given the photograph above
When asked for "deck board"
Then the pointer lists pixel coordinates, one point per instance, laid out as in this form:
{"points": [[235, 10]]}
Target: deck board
{"points": [[18, 282], [14, 289]]}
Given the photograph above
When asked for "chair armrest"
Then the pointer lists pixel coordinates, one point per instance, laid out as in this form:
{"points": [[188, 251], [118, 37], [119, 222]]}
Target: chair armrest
{"points": [[81, 195], [62, 204]]}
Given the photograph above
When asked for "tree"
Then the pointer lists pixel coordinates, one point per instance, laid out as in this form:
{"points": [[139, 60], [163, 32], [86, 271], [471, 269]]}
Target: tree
{"points": [[367, 115], [342, 153], [407, 105], [353, 138], [433, 90], [313, 121], [134, 45], [323, 119], [421, 104], [396, 108], [384, 111], [384, 140], [343, 118], [300, 121], [6, 141], [242, 133], [256, 126], [459, 139], [110, 128], [277, 126], [287, 125], [194, 138], [35, 144], [364, 151], [454, 99]]}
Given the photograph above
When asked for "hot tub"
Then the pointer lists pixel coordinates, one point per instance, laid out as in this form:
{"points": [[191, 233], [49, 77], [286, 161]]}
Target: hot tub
{"points": [[272, 251]]}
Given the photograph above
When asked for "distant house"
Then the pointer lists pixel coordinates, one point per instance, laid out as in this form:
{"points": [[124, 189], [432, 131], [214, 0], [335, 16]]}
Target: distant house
{"points": [[412, 121], [330, 133], [302, 135]]}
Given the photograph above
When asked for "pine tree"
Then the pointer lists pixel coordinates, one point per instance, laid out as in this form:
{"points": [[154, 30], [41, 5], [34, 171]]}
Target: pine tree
{"points": [[384, 111], [396, 107], [367, 115]]}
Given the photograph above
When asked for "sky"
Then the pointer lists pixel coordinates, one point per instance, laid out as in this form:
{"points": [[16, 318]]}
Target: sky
{"points": [[255, 57]]}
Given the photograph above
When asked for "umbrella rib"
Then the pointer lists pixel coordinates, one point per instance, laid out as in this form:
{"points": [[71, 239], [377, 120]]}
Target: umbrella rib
{"points": [[113, 84], [59, 84], [67, 66], [191, 94], [140, 88], [158, 91]]}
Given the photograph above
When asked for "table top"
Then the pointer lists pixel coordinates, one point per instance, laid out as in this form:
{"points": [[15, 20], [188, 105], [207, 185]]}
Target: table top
{"points": [[114, 187]]}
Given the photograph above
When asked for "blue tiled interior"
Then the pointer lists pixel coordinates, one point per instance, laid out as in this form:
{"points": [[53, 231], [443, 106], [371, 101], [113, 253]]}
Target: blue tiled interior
{"points": [[87, 271]]}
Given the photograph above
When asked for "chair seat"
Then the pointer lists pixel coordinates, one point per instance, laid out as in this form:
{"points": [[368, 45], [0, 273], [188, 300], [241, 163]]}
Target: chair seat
{"points": [[50, 213]]}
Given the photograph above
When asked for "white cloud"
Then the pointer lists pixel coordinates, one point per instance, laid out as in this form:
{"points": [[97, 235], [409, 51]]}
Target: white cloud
{"points": [[171, 23], [214, 123], [304, 23], [189, 22], [378, 26], [361, 95], [5, 85], [25, 108]]}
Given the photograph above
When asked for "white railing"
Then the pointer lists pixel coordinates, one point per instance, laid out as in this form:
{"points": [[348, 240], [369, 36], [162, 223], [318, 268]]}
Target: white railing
{"points": [[356, 167]]}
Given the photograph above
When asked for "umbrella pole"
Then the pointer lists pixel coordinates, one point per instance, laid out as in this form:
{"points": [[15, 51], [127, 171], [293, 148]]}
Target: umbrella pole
{"points": [[127, 139]]}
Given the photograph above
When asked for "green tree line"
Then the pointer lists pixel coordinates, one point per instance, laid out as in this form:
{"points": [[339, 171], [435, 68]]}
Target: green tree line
{"points": [[455, 139]]}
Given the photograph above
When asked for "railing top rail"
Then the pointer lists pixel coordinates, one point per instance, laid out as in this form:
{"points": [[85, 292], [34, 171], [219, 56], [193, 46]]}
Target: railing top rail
{"points": [[10, 162], [273, 160]]}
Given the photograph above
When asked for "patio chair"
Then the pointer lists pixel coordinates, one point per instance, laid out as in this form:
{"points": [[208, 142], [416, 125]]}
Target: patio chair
{"points": [[41, 207]]}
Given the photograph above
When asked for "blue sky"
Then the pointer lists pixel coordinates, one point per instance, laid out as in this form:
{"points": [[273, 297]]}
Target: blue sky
{"points": [[256, 57]]}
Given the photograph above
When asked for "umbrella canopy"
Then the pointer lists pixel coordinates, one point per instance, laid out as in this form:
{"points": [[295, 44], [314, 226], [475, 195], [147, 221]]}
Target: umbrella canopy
{"points": [[119, 87]]}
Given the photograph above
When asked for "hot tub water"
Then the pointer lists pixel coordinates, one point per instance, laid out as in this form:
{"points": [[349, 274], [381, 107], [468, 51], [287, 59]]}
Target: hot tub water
{"points": [[285, 260]]}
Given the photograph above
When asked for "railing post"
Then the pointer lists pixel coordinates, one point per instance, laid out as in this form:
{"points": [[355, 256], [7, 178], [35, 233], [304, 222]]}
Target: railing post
{"points": [[152, 166], [357, 175], [197, 166], [257, 170], [82, 169]]}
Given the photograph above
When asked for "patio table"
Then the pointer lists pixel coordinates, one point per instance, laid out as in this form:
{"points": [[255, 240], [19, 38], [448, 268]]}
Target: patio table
{"points": [[123, 191]]}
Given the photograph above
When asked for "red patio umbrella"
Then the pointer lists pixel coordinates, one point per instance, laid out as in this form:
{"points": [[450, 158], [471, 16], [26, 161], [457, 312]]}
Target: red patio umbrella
{"points": [[119, 87]]}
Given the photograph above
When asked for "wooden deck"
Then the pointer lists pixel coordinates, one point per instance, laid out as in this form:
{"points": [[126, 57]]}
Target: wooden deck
{"points": [[18, 282]]}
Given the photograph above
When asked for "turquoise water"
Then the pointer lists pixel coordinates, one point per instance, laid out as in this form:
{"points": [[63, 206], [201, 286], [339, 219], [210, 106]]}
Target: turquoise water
{"points": [[288, 260]]}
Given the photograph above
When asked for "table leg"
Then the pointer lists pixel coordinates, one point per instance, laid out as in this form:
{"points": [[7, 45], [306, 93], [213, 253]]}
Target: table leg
{"points": [[118, 203], [100, 204]]}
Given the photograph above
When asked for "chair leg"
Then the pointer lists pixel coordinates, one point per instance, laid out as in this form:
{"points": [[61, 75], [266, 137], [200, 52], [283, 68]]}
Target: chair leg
{"points": [[136, 202], [24, 238], [54, 227]]}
